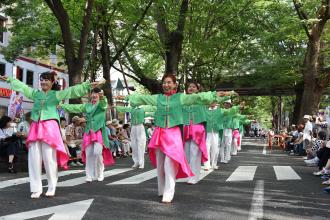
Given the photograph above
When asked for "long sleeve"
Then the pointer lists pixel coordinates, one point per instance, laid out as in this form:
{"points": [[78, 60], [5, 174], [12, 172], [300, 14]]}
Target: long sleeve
{"points": [[123, 109], [150, 114], [74, 91], [148, 108], [19, 86], [103, 103], [74, 108], [202, 98], [222, 99], [137, 100]]}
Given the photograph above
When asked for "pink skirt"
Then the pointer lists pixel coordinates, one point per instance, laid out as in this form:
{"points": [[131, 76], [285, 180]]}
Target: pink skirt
{"points": [[49, 132], [196, 132], [90, 138], [237, 136], [169, 141]]}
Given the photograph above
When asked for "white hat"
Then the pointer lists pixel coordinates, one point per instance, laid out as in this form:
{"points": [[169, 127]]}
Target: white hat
{"points": [[75, 118], [115, 122], [307, 117], [228, 101], [108, 123]]}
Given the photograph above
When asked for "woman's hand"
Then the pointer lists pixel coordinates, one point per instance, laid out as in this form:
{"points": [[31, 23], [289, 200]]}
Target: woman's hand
{"points": [[3, 78], [101, 94]]}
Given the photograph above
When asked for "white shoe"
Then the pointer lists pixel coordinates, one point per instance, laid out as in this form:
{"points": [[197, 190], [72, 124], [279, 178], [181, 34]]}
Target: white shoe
{"points": [[141, 167], [36, 195], [215, 167], [311, 163], [100, 179], [50, 193], [319, 173], [135, 165], [79, 164], [88, 179], [73, 164]]}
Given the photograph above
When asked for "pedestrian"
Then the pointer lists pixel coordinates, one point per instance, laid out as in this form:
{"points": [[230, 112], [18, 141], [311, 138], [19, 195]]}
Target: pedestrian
{"points": [[44, 141], [95, 148]]}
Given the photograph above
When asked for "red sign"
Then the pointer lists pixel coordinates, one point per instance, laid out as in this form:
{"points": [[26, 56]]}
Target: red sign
{"points": [[5, 92]]}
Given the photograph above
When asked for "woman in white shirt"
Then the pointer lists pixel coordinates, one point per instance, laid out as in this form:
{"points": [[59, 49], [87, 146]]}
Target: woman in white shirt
{"points": [[8, 141]]}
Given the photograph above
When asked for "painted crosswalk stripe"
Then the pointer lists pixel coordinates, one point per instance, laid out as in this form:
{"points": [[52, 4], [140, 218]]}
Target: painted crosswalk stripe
{"points": [[137, 178], [202, 176], [242, 173], [82, 180], [285, 173], [23, 180]]}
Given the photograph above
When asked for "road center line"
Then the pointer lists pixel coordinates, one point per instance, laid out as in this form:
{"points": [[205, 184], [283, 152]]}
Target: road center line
{"points": [[257, 204]]}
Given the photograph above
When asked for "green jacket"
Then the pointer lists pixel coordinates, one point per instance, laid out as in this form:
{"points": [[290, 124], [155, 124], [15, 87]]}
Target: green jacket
{"points": [[45, 104], [228, 116], [243, 121], [138, 113], [213, 119], [169, 111], [95, 116], [237, 119]]}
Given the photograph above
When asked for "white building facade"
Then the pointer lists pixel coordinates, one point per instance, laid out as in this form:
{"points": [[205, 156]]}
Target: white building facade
{"points": [[25, 69]]}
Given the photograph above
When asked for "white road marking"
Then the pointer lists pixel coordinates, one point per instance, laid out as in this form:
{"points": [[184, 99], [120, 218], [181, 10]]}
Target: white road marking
{"points": [[264, 151], [257, 204], [242, 173], [14, 182], [71, 211], [137, 178], [202, 176], [285, 173], [82, 180]]}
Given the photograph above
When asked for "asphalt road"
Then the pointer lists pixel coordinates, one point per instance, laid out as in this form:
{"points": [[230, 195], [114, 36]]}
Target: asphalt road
{"points": [[254, 185]]}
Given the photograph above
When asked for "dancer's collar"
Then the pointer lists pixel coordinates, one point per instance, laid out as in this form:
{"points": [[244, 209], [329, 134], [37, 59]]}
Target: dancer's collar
{"points": [[169, 93]]}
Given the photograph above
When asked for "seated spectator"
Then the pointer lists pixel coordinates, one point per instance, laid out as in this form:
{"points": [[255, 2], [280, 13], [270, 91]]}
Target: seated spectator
{"points": [[322, 154], [115, 144], [124, 139], [298, 148], [9, 144], [73, 142], [62, 129]]}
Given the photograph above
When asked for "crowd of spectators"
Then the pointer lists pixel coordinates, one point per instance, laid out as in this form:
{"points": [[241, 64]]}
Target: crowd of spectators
{"points": [[14, 132], [309, 140]]}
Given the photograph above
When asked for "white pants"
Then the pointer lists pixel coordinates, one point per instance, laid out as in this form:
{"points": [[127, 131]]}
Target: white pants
{"points": [[212, 145], [126, 146], [234, 146], [94, 161], [239, 147], [225, 147], [138, 140], [166, 170], [38, 152], [194, 157]]}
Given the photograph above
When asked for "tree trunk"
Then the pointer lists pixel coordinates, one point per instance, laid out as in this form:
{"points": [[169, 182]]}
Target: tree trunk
{"points": [[312, 91], [105, 59], [297, 107], [171, 40]]}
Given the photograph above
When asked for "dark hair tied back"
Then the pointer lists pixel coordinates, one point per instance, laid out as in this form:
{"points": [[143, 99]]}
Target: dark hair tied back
{"points": [[50, 75]]}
